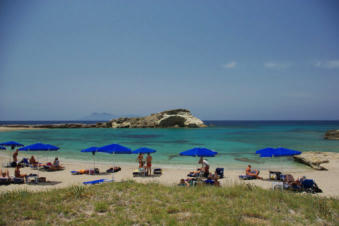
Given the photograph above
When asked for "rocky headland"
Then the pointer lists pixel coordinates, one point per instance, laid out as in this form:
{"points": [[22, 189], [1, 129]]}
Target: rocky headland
{"points": [[332, 135], [316, 159], [177, 118]]}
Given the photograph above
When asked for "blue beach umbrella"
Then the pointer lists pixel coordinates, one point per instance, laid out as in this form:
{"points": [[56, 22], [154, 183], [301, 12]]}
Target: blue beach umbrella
{"points": [[199, 152], [277, 152], [12, 144], [93, 150], [39, 147], [143, 150], [2, 148], [265, 150], [115, 149]]}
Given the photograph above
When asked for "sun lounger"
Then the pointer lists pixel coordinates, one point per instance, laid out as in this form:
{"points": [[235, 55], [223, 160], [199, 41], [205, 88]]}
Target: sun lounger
{"points": [[247, 177], [5, 181], [141, 172], [18, 180], [53, 168], [97, 181]]}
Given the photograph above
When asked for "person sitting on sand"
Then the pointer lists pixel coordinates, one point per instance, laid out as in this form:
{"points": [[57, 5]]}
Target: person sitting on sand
{"points": [[252, 173], [183, 182], [4, 174], [15, 156], [32, 161], [140, 159], [149, 164], [215, 177], [18, 174], [206, 168], [56, 162]]}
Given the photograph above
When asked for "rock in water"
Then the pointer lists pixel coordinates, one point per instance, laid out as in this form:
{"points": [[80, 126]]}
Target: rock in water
{"points": [[178, 118], [332, 135], [314, 159]]}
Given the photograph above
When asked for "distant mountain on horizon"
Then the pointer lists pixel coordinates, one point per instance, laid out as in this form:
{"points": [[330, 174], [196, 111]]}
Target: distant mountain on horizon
{"points": [[103, 116]]}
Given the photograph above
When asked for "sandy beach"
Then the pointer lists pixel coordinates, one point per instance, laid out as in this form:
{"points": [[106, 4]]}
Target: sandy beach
{"points": [[326, 180], [9, 129]]}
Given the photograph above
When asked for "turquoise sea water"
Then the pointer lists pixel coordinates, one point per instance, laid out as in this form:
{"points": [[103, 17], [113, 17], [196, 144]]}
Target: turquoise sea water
{"points": [[236, 141]]}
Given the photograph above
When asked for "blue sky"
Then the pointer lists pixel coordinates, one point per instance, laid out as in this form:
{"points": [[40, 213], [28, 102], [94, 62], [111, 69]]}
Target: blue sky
{"points": [[230, 60]]}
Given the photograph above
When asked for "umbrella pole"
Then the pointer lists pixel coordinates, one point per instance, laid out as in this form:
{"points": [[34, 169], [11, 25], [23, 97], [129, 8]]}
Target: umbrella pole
{"points": [[113, 169]]}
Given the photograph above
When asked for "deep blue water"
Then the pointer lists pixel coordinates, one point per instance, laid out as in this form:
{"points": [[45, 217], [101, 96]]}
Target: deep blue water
{"points": [[236, 141]]}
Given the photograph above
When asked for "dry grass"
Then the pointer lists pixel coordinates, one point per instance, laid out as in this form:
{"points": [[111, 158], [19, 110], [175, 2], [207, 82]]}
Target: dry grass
{"points": [[148, 204]]}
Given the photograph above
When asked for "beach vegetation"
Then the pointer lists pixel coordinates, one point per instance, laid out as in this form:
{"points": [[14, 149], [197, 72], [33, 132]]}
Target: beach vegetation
{"points": [[130, 202]]}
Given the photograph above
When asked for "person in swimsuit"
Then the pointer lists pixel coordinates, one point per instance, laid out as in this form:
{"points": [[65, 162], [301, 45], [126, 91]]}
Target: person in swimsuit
{"points": [[32, 161], [18, 174], [253, 173], [140, 159], [15, 155], [149, 164], [4, 173]]}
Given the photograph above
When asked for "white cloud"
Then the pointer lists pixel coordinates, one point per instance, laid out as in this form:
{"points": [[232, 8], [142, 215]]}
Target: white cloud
{"points": [[330, 64], [231, 64], [276, 65]]}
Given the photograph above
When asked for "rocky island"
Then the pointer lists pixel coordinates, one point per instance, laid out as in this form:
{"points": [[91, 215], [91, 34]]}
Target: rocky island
{"points": [[177, 118], [332, 135]]}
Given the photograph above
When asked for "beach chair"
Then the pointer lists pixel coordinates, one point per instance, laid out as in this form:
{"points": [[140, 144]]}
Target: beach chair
{"points": [[100, 181], [220, 172], [24, 162]]}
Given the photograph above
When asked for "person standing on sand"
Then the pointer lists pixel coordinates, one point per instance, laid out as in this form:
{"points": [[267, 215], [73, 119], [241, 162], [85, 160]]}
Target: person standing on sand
{"points": [[201, 161], [149, 164], [140, 159], [15, 156]]}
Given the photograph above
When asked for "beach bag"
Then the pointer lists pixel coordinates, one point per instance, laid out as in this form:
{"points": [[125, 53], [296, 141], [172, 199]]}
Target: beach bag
{"points": [[275, 175], [157, 171], [308, 185]]}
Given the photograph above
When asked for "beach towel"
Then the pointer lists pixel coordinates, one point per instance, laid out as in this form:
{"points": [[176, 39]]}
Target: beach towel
{"points": [[209, 182], [246, 177], [97, 181], [113, 170]]}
